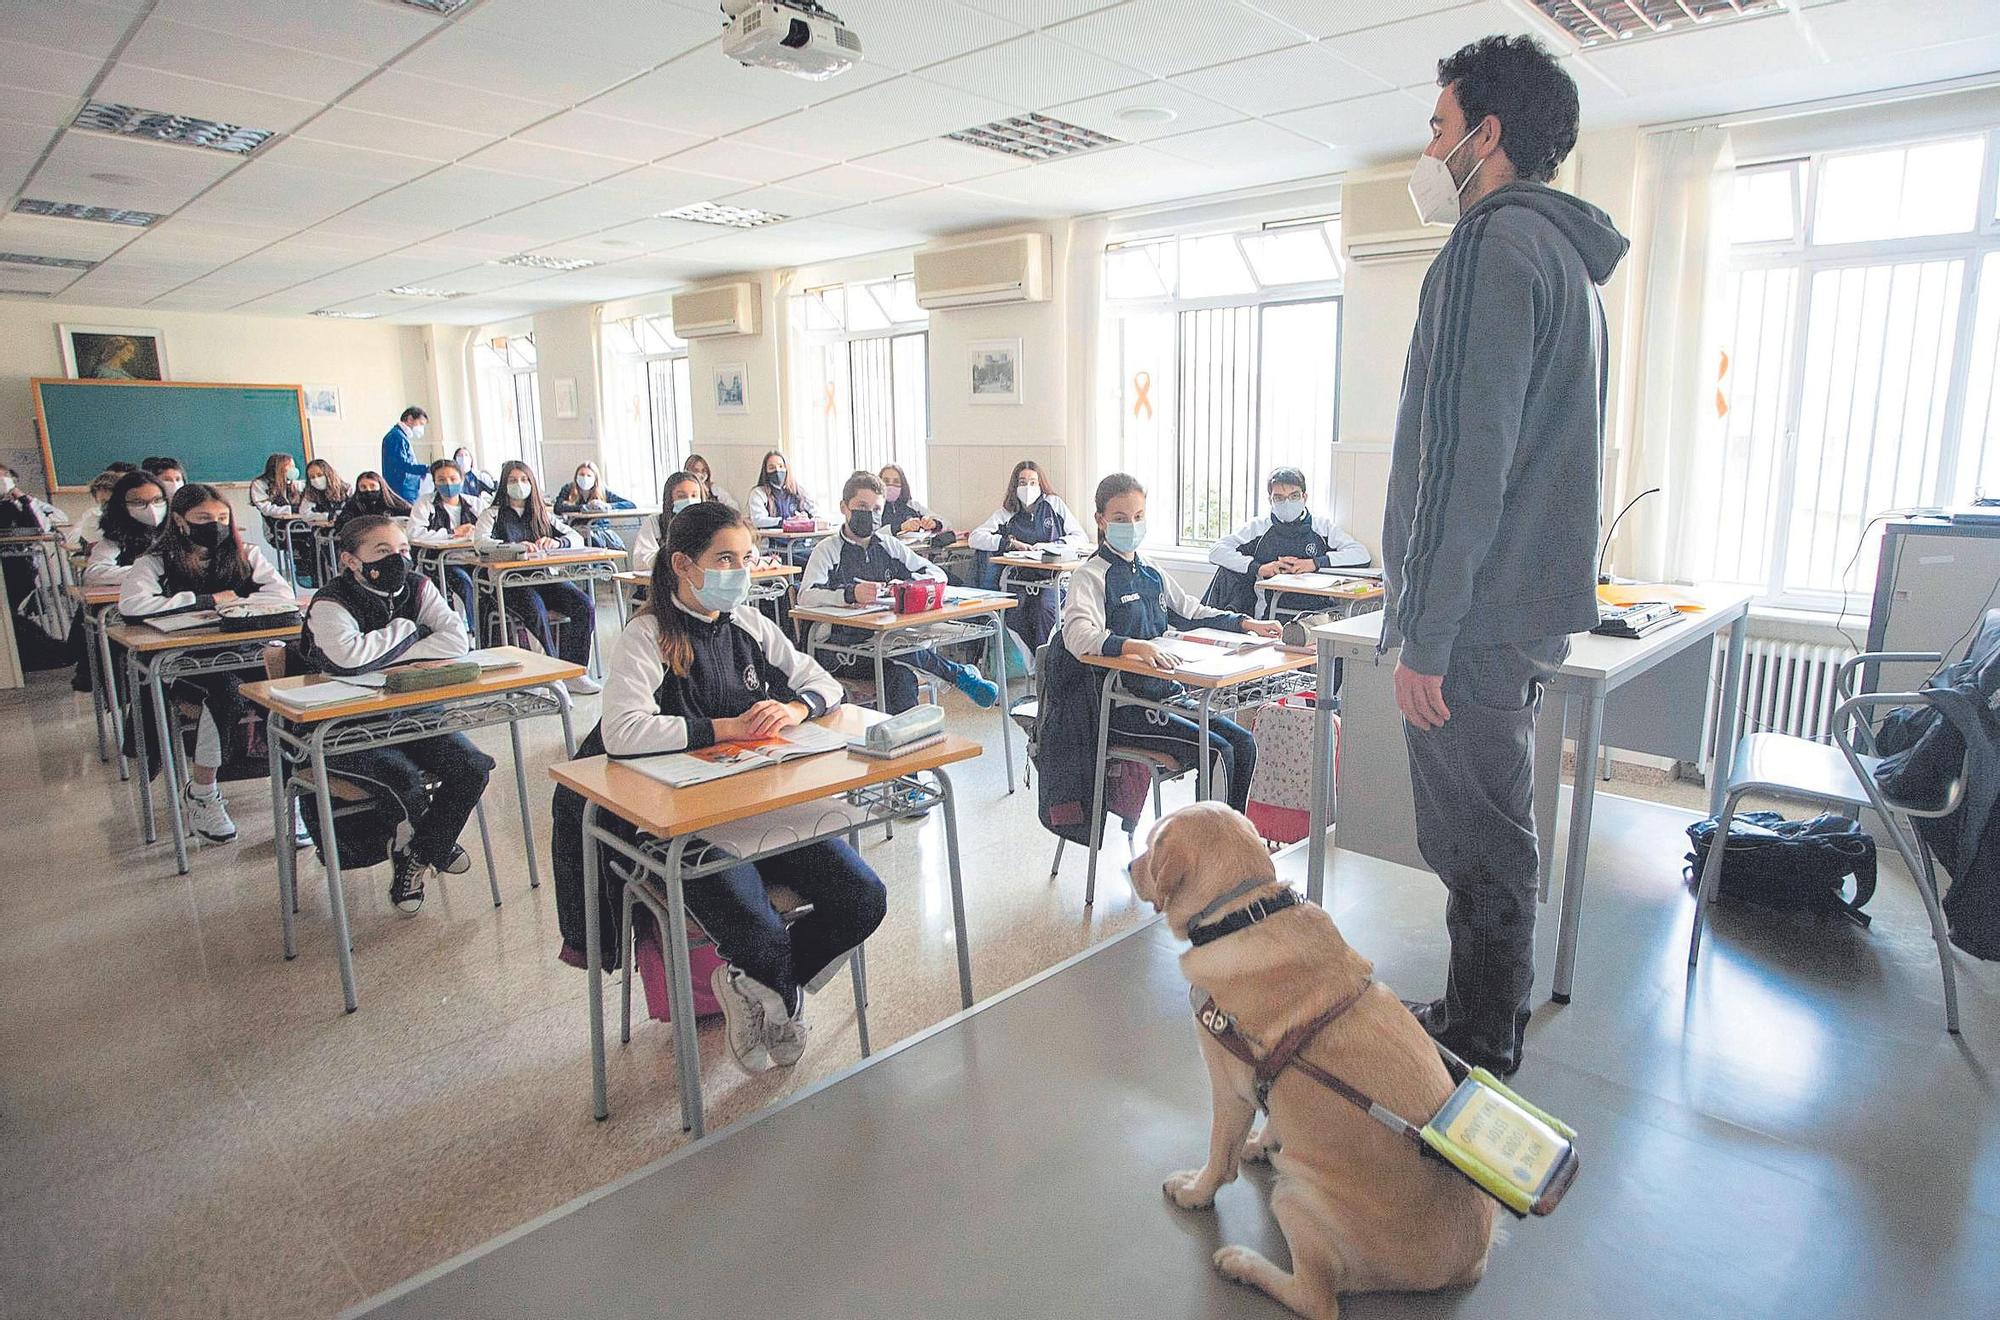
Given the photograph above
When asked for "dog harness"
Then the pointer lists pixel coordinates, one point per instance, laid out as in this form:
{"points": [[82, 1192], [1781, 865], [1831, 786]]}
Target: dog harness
{"points": [[1515, 1153]]}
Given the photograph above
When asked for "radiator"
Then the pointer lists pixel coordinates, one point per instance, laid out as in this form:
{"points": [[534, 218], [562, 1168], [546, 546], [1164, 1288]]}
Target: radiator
{"points": [[1788, 687]]}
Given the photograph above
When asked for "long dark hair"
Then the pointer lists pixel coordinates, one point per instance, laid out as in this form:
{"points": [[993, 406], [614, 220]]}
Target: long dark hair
{"points": [[667, 497], [1008, 501], [271, 464], [689, 534], [391, 502], [537, 511], [336, 489], [116, 521], [764, 468], [228, 565]]}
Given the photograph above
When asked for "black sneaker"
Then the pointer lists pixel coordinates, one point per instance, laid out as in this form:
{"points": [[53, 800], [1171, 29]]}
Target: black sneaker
{"points": [[456, 862], [406, 891]]}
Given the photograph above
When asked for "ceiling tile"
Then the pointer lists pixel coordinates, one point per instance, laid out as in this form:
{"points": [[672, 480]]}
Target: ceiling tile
{"points": [[785, 200], [935, 211], [1101, 113], [456, 195], [602, 135], [268, 184], [1097, 181], [1724, 52], [1325, 18], [618, 31], [889, 114], [747, 161], [540, 222], [852, 183], [515, 156], [1173, 36], [1034, 71], [45, 237], [289, 263], [893, 35], [939, 160], [467, 57], [35, 279], [1294, 156], [359, 128], [43, 112], [655, 188], [1038, 13], [367, 33], [660, 98], [651, 235], [162, 176], [69, 25], [453, 105], [1859, 29], [1399, 118], [238, 61], [1282, 80], [333, 158], [41, 69], [173, 93], [1406, 54]]}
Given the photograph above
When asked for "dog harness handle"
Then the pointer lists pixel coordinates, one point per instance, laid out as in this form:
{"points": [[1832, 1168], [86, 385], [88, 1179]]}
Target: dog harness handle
{"points": [[1285, 1055]]}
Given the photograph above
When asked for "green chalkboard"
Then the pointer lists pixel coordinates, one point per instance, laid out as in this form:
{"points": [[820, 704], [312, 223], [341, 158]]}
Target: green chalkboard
{"points": [[222, 433]]}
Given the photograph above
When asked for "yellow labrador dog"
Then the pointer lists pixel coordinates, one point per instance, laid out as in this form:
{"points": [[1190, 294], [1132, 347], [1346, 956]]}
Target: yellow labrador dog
{"points": [[1361, 1210]]}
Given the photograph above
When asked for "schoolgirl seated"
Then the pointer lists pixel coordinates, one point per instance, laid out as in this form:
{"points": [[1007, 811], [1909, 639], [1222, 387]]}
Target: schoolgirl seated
{"points": [[370, 498], [518, 515], [128, 525], [1030, 514], [447, 518], [21, 512], [682, 490], [277, 489], [698, 466], [587, 493], [902, 512], [167, 470], [90, 527], [1120, 605], [380, 612], [1289, 539], [477, 483], [324, 492], [779, 498], [198, 562], [855, 568], [697, 667]]}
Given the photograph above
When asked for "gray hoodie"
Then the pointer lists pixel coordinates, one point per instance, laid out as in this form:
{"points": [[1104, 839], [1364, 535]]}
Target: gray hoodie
{"points": [[1491, 526]]}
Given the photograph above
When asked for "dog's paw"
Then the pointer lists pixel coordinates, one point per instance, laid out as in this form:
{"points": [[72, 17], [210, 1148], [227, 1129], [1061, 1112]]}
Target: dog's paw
{"points": [[1184, 1190], [1237, 1263], [1257, 1150]]}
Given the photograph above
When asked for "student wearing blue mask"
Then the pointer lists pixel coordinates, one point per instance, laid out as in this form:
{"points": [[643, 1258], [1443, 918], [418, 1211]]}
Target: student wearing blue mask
{"points": [[446, 519], [1289, 539], [698, 667], [1030, 514], [1120, 605], [519, 516], [683, 490]]}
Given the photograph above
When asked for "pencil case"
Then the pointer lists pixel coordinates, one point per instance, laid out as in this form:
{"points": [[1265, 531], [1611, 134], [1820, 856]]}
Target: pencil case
{"points": [[433, 674]]}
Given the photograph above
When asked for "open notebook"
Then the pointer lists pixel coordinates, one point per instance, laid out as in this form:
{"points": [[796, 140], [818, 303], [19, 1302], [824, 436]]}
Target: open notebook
{"points": [[174, 623], [685, 769]]}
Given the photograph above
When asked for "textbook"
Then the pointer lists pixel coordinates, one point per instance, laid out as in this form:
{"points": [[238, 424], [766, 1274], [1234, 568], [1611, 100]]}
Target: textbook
{"points": [[720, 761], [313, 695], [174, 623]]}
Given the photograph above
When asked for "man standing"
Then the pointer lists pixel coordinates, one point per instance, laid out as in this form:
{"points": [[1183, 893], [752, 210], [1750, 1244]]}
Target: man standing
{"points": [[1490, 536], [400, 467]]}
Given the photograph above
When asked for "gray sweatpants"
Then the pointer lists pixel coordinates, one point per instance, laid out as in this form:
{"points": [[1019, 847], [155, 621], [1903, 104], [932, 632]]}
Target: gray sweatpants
{"points": [[1474, 786]]}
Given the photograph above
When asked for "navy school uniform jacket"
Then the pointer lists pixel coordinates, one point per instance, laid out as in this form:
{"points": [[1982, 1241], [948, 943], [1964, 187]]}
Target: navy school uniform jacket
{"points": [[838, 563], [351, 630]]}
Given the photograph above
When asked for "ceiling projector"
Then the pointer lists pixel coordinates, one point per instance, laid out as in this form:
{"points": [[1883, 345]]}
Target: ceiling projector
{"points": [[798, 37]]}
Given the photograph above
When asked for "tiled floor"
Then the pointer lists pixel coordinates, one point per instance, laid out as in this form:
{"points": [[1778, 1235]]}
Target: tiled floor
{"points": [[190, 1126]]}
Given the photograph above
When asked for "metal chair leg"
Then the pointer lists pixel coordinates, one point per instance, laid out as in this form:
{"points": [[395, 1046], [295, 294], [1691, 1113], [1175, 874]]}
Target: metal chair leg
{"points": [[857, 964], [1056, 865], [1941, 934], [486, 846], [1711, 873], [626, 944], [1157, 810]]}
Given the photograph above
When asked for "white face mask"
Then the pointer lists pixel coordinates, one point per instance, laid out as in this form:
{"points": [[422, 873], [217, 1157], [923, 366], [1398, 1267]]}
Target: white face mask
{"points": [[319, 483], [1028, 495], [586, 481], [7, 485], [153, 514], [287, 477], [171, 487], [1432, 189], [417, 431], [517, 490]]}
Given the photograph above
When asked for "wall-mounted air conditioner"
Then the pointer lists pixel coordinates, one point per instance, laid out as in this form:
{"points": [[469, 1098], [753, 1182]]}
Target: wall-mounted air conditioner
{"points": [[1378, 222], [724, 309], [996, 270]]}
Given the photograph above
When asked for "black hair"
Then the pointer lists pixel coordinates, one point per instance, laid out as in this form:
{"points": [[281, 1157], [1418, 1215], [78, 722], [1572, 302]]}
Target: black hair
{"points": [[355, 530], [1118, 483], [228, 566], [159, 463], [116, 522], [689, 534], [414, 414], [121, 467], [1286, 476], [859, 482], [437, 463], [1518, 81]]}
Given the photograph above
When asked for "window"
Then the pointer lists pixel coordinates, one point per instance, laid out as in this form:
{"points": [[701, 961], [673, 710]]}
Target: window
{"points": [[649, 427], [1223, 363], [861, 381], [1861, 336], [510, 401]]}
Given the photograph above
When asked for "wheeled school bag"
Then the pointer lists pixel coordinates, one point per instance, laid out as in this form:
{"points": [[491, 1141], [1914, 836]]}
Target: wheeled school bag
{"points": [[1795, 865]]}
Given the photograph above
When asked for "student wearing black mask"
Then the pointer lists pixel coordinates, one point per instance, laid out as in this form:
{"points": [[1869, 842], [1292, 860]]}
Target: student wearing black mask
{"points": [[777, 497], [380, 612], [371, 498]]}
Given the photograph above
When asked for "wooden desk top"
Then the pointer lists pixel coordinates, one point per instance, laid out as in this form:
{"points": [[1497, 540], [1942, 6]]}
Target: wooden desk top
{"points": [[882, 621], [665, 812], [1273, 662], [95, 597], [535, 671], [1024, 560], [316, 519], [600, 515], [30, 538], [551, 559], [779, 534], [143, 638], [761, 573], [1333, 586]]}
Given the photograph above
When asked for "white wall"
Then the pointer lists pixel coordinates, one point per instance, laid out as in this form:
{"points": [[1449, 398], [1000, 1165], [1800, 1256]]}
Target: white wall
{"points": [[566, 350], [734, 443]]}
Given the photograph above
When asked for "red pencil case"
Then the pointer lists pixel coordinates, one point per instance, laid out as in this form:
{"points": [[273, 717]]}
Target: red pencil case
{"points": [[917, 597]]}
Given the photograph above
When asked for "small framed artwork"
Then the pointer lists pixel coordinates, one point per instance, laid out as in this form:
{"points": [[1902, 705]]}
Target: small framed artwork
{"points": [[730, 393], [110, 352], [994, 370], [323, 401], [566, 397]]}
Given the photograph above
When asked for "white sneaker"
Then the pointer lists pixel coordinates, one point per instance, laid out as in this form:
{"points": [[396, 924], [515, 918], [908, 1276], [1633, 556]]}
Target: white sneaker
{"points": [[786, 1040], [583, 685], [743, 1019], [301, 837], [209, 816]]}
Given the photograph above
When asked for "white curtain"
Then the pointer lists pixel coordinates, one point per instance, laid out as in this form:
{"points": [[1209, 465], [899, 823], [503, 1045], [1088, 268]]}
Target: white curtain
{"points": [[1686, 183]]}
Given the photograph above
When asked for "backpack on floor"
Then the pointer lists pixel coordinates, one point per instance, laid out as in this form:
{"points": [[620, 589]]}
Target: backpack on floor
{"points": [[1792, 865], [1281, 786]]}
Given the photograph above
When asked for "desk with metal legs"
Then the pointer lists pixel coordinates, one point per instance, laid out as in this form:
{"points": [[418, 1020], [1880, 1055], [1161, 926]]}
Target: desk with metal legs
{"points": [[100, 610]]}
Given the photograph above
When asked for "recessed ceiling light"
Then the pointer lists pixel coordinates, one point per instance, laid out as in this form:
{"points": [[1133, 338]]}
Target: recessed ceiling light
{"points": [[1599, 22], [1033, 137], [618, 242], [333, 314], [436, 6], [109, 215], [535, 261], [158, 125], [419, 291], [58, 263], [24, 293], [1145, 114], [715, 213]]}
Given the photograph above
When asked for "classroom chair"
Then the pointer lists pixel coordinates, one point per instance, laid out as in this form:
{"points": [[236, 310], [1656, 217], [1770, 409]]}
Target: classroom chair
{"points": [[1841, 775]]}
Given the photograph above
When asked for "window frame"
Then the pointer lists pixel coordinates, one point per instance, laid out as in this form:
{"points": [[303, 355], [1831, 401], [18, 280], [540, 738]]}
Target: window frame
{"points": [[679, 372], [817, 338]]}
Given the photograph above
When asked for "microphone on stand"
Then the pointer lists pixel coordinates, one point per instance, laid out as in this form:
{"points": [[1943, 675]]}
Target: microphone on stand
{"points": [[1603, 554]]}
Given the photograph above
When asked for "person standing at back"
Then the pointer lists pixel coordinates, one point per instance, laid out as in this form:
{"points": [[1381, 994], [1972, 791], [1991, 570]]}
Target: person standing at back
{"points": [[1489, 539], [400, 465]]}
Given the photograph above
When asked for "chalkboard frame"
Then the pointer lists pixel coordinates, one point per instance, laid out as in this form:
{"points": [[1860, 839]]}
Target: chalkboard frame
{"points": [[42, 421]]}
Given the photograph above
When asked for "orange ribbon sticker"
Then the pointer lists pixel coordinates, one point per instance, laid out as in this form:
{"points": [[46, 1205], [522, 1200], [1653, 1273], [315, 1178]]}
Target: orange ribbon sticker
{"points": [[829, 398], [1721, 383], [1142, 381]]}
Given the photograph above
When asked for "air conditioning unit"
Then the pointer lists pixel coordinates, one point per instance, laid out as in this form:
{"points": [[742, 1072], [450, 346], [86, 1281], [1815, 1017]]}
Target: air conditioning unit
{"points": [[724, 309], [996, 270], [1379, 223]]}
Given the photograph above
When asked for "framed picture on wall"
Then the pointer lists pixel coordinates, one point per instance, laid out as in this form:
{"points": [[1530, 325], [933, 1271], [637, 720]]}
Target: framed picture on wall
{"points": [[323, 401], [110, 352], [731, 395], [994, 371]]}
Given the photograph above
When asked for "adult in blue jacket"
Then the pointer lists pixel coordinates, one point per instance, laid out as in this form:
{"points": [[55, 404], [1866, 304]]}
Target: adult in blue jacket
{"points": [[400, 465]]}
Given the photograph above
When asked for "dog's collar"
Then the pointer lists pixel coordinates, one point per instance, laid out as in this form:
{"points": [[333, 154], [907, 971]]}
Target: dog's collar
{"points": [[1241, 919]]}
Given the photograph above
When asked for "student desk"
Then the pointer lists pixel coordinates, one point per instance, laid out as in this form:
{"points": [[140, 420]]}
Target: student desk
{"points": [[673, 817], [99, 604], [45, 550], [609, 515], [767, 582], [154, 659], [315, 524], [1033, 573], [1652, 693], [1348, 595], [384, 719], [433, 559], [1272, 661], [591, 566], [890, 634]]}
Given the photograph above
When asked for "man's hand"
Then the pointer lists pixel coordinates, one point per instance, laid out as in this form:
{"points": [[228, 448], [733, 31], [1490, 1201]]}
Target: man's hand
{"points": [[1263, 627], [1421, 698], [1271, 570]]}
